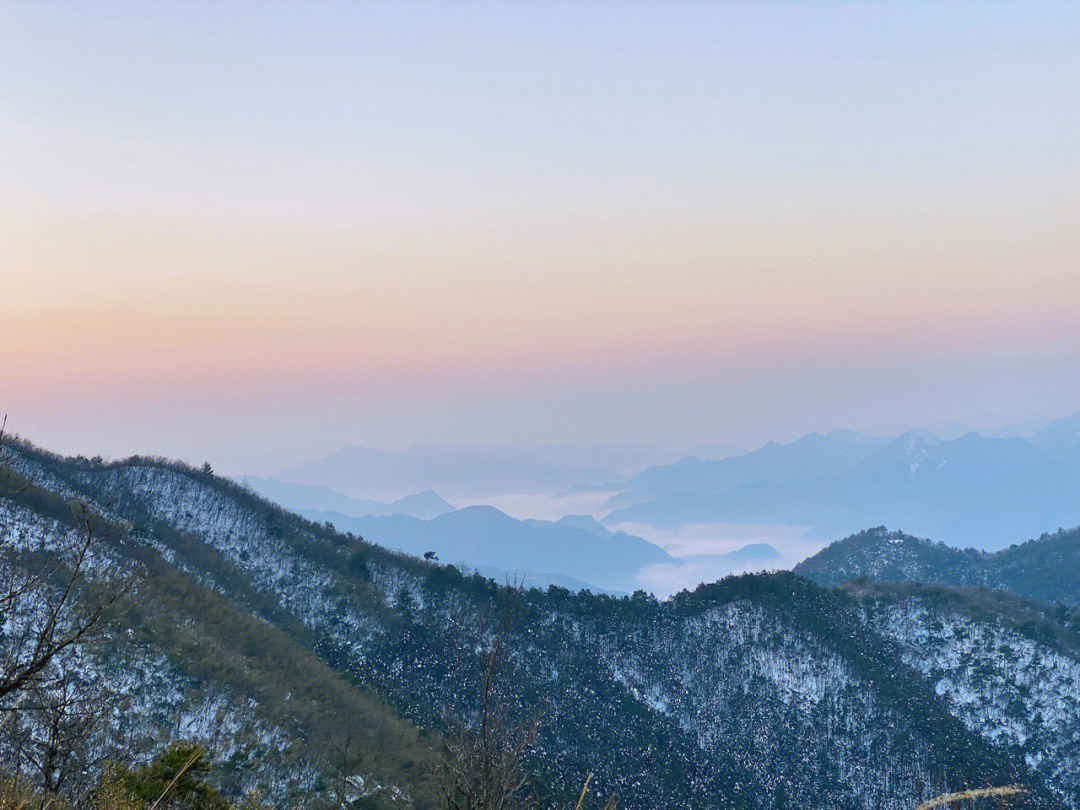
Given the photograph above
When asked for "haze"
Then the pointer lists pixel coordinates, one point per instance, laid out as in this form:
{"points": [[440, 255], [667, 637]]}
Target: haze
{"points": [[255, 233]]}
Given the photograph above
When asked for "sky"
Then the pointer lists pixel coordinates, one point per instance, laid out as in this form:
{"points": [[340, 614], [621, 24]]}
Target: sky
{"points": [[253, 233]]}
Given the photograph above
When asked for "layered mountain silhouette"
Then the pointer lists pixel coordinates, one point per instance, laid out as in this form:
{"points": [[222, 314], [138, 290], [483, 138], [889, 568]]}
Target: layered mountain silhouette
{"points": [[473, 470], [806, 458], [482, 536], [973, 490], [1061, 439], [426, 504]]}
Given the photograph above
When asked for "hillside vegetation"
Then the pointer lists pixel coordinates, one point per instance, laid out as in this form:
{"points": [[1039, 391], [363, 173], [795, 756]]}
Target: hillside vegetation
{"points": [[1046, 569], [270, 640]]}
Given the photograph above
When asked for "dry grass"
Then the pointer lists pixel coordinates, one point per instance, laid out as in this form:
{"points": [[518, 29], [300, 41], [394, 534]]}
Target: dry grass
{"points": [[981, 793]]}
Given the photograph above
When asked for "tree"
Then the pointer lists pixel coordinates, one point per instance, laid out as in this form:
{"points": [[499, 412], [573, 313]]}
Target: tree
{"points": [[348, 789], [483, 763], [42, 613], [54, 731], [482, 767], [48, 611], [175, 779]]}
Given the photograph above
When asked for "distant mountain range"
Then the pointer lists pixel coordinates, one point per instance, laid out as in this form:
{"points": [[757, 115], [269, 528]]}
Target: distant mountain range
{"points": [[575, 547], [1061, 439], [751, 553], [574, 552], [1046, 569], [474, 471], [539, 580], [806, 458], [715, 452], [973, 490], [426, 504]]}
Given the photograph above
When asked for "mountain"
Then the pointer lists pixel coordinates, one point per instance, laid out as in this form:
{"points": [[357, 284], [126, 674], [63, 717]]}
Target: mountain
{"points": [[267, 637], [484, 536], [1061, 439], [424, 505], [751, 557], [752, 553], [584, 522], [297, 497], [471, 470], [200, 650], [1006, 667], [1046, 569], [968, 491], [806, 458], [926, 436]]}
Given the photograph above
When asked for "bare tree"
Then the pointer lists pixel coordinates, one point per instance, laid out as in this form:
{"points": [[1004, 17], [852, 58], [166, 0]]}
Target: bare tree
{"points": [[56, 731], [48, 610], [483, 763], [483, 766], [345, 761], [43, 614]]}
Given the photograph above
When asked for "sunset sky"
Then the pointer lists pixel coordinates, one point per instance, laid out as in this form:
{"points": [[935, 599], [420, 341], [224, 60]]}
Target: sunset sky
{"points": [[254, 233]]}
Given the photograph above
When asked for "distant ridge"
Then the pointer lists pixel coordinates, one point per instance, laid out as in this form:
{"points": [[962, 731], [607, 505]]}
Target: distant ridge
{"points": [[298, 497], [424, 505], [752, 552], [805, 458], [472, 471], [751, 557], [483, 536], [715, 452], [1046, 569], [972, 490], [1061, 439], [541, 580]]}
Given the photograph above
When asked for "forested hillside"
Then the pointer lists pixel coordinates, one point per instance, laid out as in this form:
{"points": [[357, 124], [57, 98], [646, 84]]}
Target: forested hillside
{"points": [[1008, 667], [1046, 568], [271, 640], [197, 653]]}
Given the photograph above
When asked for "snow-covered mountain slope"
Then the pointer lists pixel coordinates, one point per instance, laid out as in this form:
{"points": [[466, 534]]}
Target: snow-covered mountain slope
{"points": [[1046, 568], [758, 691], [1011, 674]]}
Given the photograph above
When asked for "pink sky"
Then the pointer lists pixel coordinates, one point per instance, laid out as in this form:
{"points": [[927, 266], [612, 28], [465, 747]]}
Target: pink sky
{"points": [[679, 224]]}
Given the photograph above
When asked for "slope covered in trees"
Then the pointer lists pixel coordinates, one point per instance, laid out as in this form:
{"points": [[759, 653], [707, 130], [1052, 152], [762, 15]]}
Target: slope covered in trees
{"points": [[270, 639], [1046, 568]]}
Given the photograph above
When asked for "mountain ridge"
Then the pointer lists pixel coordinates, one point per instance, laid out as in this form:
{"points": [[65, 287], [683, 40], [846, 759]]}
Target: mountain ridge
{"points": [[1045, 568], [486, 536], [970, 490], [296, 497], [723, 697]]}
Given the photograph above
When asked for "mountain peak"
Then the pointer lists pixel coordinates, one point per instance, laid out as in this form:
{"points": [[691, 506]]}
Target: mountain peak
{"points": [[425, 505]]}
